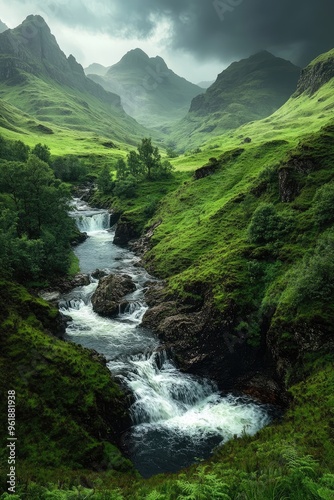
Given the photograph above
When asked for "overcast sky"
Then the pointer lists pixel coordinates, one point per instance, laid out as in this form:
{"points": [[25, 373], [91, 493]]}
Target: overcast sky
{"points": [[197, 38]]}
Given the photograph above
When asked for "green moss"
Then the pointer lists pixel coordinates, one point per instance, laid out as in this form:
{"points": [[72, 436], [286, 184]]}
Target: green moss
{"points": [[67, 402]]}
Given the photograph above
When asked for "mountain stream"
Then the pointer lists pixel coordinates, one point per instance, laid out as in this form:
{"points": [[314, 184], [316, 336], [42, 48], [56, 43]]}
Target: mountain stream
{"points": [[177, 418]]}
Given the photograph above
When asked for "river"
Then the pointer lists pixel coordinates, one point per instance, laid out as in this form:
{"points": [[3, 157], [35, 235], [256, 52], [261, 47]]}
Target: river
{"points": [[177, 418]]}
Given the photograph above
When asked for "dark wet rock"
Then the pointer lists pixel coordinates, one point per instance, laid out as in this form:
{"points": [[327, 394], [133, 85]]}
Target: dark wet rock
{"points": [[84, 191], [80, 280], [98, 274], [143, 244], [114, 218], [79, 238], [126, 231], [156, 293], [110, 293], [264, 388]]}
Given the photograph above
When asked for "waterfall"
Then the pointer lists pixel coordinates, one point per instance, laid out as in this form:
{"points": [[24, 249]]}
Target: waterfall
{"points": [[91, 223], [88, 220]]}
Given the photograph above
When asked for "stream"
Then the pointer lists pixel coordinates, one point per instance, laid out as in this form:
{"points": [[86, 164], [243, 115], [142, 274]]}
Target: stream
{"points": [[177, 418]]}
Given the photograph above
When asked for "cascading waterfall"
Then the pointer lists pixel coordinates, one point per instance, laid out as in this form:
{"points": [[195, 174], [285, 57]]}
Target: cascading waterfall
{"points": [[176, 416], [90, 221]]}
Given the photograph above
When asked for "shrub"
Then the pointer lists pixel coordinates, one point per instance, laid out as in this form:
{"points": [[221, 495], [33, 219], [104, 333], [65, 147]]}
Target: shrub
{"points": [[324, 204], [265, 225]]}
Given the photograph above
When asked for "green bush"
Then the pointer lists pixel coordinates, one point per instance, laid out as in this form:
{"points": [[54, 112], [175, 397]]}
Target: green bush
{"points": [[265, 225], [324, 204]]}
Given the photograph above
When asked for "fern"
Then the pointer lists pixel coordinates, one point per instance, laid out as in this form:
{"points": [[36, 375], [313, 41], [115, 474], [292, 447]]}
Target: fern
{"points": [[155, 495], [207, 486]]}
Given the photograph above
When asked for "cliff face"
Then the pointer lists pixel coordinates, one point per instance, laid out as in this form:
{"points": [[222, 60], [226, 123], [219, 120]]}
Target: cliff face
{"points": [[317, 74]]}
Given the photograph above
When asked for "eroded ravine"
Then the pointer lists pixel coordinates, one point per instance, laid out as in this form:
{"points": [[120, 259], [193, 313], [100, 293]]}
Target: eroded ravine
{"points": [[177, 418]]}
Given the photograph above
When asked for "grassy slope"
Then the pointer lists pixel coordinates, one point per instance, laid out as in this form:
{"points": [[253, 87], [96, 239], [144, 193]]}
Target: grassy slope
{"points": [[295, 119], [248, 90], [204, 228], [66, 402]]}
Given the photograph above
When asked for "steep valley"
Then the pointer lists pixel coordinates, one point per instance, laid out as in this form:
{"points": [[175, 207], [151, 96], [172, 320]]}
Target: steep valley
{"points": [[237, 232]]}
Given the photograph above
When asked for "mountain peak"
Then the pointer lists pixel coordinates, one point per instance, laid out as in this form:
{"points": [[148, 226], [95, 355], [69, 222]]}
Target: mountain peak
{"points": [[262, 54], [135, 56], [35, 22]]}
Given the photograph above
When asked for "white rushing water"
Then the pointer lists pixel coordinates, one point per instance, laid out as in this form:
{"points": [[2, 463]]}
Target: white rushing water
{"points": [[176, 416]]}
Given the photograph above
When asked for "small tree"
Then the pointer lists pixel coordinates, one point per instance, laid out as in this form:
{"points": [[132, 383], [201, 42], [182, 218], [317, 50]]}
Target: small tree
{"points": [[121, 169], [165, 169], [42, 152], [149, 157], [104, 181]]}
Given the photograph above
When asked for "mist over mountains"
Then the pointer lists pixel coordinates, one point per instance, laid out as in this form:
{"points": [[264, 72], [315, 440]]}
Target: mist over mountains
{"points": [[150, 92]]}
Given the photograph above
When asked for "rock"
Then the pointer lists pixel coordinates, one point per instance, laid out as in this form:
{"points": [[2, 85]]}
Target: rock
{"points": [[52, 297], [114, 218], [110, 293], [79, 238], [291, 177], [264, 388], [80, 280], [314, 76], [143, 244], [126, 231], [98, 274], [207, 170], [155, 293], [157, 314]]}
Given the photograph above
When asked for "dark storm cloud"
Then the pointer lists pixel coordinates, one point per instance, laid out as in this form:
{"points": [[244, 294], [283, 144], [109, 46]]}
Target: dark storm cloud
{"points": [[223, 29]]}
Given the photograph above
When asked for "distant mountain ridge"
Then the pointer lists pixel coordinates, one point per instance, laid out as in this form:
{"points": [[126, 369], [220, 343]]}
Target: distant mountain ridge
{"points": [[248, 90], [96, 69], [205, 85], [150, 92], [38, 78], [3, 27]]}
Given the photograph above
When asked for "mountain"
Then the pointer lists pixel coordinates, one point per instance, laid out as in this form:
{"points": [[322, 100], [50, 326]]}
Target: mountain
{"points": [[96, 69], [247, 90], [37, 78], [3, 27], [152, 93], [205, 85]]}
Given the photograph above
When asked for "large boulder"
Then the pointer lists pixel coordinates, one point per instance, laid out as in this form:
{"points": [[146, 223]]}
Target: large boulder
{"points": [[111, 292]]}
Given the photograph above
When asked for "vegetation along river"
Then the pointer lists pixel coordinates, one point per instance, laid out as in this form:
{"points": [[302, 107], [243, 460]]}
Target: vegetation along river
{"points": [[177, 418]]}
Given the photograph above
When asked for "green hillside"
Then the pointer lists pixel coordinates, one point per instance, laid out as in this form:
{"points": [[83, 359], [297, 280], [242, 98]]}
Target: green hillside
{"points": [[38, 79], [152, 93], [247, 90]]}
